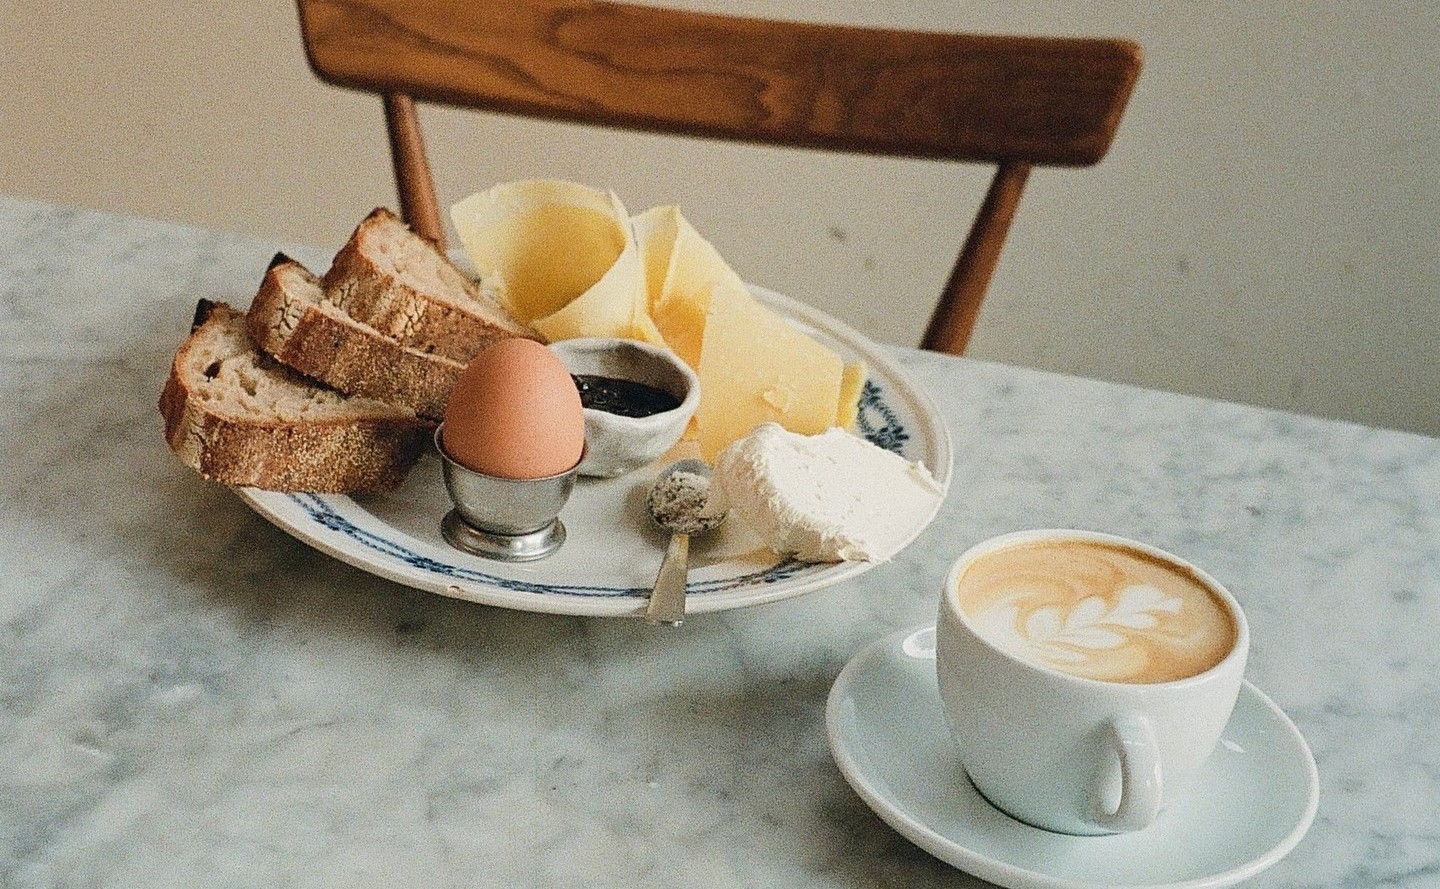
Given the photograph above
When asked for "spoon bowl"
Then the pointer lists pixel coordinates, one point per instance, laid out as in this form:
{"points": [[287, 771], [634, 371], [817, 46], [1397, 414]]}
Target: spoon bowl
{"points": [[682, 502]]}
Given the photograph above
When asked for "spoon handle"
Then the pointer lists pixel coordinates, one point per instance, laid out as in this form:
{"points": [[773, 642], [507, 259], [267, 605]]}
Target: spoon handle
{"points": [[667, 599]]}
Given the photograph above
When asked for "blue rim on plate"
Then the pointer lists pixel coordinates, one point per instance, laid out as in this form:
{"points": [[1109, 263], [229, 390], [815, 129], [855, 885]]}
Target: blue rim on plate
{"points": [[609, 561]]}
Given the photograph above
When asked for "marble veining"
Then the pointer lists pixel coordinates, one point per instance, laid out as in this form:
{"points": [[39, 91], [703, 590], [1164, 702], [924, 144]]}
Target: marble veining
{"points": [[188, 696]]}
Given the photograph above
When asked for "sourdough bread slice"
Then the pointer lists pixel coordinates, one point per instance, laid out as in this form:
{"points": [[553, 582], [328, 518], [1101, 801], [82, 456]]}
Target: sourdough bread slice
{"points": [[237, 417], [292, 322], [399, 283]]}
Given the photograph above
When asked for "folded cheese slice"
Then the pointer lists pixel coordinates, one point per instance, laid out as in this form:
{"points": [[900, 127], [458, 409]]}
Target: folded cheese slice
{"points": [[560, 256], [694, 270], [655, 231], [685, 274], [566, 259]]}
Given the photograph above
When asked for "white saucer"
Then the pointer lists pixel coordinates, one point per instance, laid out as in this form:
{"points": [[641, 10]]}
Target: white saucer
{"points": [[1253, 802]]}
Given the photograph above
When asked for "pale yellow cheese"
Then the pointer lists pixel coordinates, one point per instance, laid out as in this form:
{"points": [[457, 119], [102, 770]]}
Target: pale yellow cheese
{"points": [[693, 272], [852, 383], [756, 367], [566, 259], [615, 306], [655, 236], [541, 245]]}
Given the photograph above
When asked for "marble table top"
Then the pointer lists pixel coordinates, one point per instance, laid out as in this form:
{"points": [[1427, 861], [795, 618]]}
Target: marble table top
{"points": [[188, 696]]}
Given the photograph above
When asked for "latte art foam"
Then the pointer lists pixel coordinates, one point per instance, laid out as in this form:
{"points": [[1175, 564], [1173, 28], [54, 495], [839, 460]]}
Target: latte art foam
{"points": [[1096, 610]]}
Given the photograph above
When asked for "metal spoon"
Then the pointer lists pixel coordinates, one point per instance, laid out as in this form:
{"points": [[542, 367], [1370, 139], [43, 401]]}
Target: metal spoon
{"points": [[680, 501]]}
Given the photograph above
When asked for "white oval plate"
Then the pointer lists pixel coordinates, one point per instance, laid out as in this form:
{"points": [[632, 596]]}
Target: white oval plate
{"points": [[608, 563]]}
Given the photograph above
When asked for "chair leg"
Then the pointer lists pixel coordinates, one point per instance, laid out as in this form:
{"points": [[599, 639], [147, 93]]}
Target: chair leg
{"points": [[959, 308], [418, 205]]}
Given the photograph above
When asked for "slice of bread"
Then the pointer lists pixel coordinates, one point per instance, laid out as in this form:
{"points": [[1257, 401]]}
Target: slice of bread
{"points": [[292, 322], [399, 283], [237, 417]]}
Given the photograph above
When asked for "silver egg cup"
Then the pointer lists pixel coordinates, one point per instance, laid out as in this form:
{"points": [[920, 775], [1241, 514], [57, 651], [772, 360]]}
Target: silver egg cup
{"points": [[507, 519]]}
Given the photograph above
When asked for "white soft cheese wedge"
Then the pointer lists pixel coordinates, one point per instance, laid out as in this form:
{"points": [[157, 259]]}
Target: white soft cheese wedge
{"points": [[827, 497]]}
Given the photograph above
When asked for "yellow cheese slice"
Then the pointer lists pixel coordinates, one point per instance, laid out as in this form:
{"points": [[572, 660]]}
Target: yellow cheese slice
{"points": [[757, 367], [694, 270], [568, 260], [613, 307], [852, 383], [540, 244], [655, 235]]}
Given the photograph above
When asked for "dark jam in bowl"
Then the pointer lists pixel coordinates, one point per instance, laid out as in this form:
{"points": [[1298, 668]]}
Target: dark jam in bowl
{"points": [[625, 398]]}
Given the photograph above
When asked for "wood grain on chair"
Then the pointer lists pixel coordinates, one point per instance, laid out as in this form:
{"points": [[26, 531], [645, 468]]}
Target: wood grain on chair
{"points": [[1011, 101]]}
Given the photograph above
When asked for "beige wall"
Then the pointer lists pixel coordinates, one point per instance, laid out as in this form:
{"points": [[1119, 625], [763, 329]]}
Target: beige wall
{"points": [[1266, 228]]}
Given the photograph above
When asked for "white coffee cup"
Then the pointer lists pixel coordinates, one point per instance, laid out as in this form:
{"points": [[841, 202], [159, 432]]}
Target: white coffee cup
{"points": [[1085, 677]]}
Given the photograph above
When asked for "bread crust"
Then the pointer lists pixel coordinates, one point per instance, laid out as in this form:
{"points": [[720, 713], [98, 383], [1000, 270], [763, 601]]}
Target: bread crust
{"points": [[446, 314], [370, 450], [288, 321], [391, 325]]}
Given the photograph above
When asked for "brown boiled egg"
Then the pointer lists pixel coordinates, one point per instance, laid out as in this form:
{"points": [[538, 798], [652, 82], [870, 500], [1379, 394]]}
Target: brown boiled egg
{"points": [[515, 413]]}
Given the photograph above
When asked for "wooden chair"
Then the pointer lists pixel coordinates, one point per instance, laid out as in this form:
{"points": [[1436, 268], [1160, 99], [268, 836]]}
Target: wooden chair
{"points": [[1011, 101]]}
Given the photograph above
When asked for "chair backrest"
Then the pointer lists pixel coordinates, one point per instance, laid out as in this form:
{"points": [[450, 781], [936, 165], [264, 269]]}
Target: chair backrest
{"points": [[1010, 101]]}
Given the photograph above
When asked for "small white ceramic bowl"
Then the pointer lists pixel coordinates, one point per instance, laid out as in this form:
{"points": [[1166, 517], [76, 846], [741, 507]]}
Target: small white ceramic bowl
{"points": [[615, 445]]}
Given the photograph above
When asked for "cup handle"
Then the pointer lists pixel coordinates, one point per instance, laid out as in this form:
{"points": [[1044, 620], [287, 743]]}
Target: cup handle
{"points": [[1140, 782]]}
